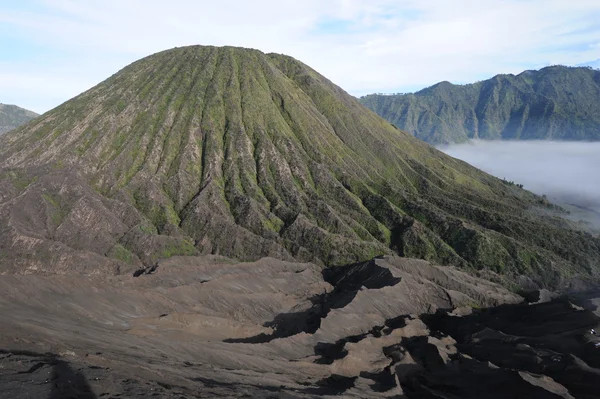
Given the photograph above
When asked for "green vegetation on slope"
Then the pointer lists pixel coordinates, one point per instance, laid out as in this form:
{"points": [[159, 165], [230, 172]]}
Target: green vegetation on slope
{"points": [[558, 102], [12, 116], [230, 151]]}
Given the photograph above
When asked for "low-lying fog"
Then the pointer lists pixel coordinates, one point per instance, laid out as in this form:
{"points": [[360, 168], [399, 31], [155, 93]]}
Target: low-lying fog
{"points": [[567, 172]]}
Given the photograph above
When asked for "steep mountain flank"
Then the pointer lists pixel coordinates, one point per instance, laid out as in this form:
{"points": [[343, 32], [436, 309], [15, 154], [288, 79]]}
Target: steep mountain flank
{"points": [[558, 103], [234, 152], [12, 116]]}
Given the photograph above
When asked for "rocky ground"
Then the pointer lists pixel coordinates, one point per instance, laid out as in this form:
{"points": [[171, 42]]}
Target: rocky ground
{"points": [[211, 327]]}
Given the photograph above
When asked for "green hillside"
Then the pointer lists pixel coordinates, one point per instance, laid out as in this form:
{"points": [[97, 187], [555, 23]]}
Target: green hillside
{"points": [[558, 103], [234, 152], [12, 116]]}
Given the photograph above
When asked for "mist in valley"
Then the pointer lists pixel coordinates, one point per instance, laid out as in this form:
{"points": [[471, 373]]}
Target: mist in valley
{"points": [[567, 172]]}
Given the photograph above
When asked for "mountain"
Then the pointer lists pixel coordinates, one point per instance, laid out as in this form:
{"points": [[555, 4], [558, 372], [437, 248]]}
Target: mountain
{"points": [[229, 151], [557, 103], [12, 116]]}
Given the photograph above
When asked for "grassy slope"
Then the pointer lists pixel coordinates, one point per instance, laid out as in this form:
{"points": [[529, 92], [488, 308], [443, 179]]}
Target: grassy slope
{"points": [[244, 154], [552, 103]]}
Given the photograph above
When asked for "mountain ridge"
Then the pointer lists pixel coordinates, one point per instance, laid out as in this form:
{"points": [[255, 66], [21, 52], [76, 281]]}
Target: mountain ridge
{"points": [[556, 102], [208, 150], [12, 116]]}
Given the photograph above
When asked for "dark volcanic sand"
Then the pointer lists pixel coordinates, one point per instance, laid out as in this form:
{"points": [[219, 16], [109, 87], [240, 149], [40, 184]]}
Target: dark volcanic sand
{"points": [[210, 327]]}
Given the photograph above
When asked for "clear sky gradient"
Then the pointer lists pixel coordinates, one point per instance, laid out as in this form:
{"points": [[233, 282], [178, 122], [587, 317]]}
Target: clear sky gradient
{"points": [[52, 50]]}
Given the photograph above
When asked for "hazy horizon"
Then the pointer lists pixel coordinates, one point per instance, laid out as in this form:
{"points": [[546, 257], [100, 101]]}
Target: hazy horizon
{"points": [[567, 172]]}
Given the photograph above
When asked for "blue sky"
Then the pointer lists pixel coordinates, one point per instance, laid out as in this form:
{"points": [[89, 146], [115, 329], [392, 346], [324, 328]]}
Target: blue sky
{"points": [[53, 50]]}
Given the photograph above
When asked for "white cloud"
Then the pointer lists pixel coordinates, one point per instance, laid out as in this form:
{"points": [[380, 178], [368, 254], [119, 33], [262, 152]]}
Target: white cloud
{"points": [[378, 45], [566, 172]]}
